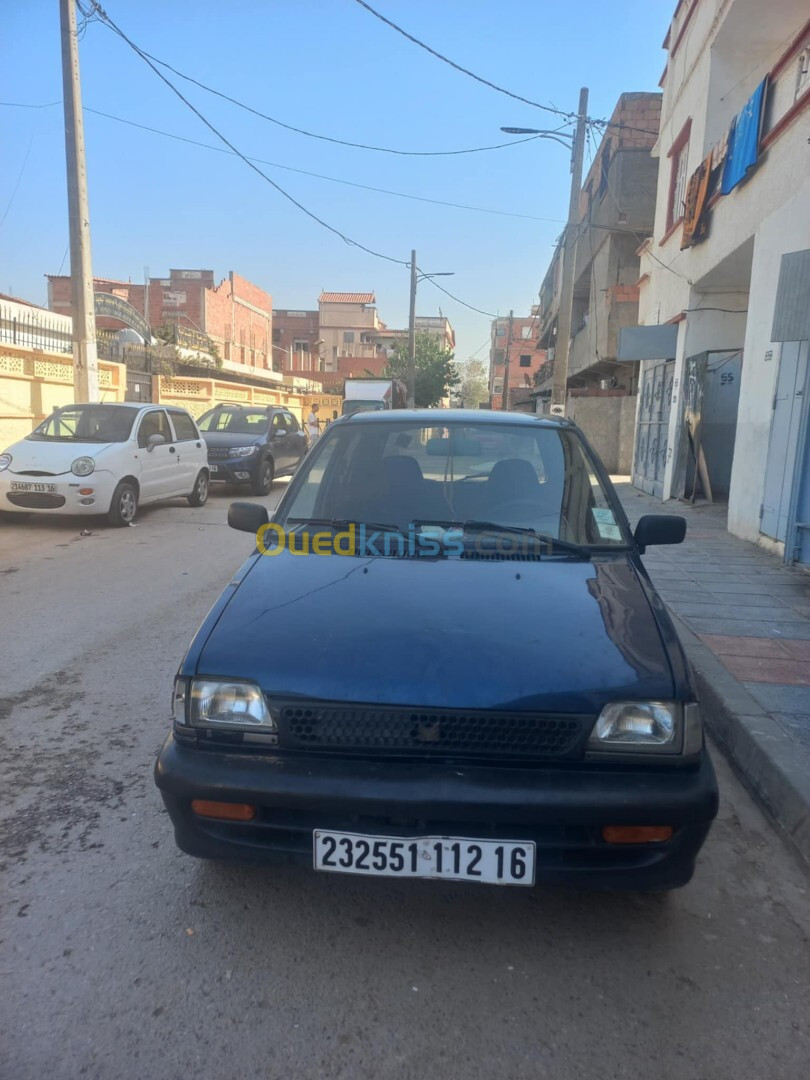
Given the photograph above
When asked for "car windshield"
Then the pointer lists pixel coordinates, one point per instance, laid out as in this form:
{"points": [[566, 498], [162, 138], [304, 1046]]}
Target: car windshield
{"points": [[472, 476], [235, 421], [87, 423]]}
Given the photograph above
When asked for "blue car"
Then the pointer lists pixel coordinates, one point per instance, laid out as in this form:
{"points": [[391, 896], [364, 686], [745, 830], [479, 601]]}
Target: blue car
{"points": [[252, 444], [444, 659]]}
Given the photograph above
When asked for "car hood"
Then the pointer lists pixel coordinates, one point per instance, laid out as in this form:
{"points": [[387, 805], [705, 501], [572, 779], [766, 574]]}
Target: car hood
{"points": [[230, 438], [556, 635], [53, 457]]}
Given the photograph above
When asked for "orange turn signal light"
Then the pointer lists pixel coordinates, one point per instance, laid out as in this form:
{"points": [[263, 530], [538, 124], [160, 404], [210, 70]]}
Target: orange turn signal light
{"points": [[85, 491], [636, 834], [229, 811]]}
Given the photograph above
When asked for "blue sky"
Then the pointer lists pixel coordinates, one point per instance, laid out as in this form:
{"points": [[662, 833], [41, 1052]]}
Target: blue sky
{"points": [[330, 67]]}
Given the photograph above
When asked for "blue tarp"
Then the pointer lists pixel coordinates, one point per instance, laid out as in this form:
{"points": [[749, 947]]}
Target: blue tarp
{"points": [[743, 141]]}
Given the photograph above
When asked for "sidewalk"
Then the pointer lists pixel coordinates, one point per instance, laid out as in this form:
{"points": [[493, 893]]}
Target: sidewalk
{"points": [[744, 620]]}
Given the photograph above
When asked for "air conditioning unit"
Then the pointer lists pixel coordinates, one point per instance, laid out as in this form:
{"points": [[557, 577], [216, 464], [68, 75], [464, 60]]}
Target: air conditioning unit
{"points": [[550, 353]]}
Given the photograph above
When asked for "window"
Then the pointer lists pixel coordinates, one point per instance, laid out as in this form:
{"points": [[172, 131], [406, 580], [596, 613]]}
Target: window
{"points": [[537, 477], [87, 423], [278, 423], [525, 361], [184, 427], [154, 423], [500, 331], [526, 331], [679, 161], [604, 169], [235, 420], [348, 337], [292, 423], [300, 346]]}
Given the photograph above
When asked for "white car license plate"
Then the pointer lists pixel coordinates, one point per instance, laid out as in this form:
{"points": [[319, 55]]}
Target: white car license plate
{"points": [[16, 485], [214, 468], [491, 862]]}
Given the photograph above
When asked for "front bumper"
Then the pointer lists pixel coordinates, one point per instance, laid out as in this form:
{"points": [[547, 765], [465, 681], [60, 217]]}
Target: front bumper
{"points": [[563, 810], [241, 470], [65, 498]]}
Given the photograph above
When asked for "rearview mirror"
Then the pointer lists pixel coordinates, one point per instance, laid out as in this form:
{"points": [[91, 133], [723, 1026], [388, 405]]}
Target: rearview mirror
{"points": [[154, 440], [659, 529], [247, 517]]}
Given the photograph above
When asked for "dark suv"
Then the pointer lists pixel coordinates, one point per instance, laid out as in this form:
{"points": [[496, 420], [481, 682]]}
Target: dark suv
{"points": [[252, 444]]}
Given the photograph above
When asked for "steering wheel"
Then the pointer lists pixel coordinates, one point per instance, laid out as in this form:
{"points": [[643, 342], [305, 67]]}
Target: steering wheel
{"points": [[517, 508]]}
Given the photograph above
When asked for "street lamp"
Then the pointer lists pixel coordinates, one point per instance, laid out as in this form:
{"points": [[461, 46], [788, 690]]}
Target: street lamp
{"points": [[416, 277], [565, 138], [576, 143]]}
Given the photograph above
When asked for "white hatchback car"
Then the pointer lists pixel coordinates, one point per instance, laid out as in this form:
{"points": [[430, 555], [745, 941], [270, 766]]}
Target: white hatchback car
{"points": [[105, 459]]}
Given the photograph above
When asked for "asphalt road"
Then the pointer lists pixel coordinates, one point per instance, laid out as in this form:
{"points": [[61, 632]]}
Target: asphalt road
{"points": [[121, 957]]}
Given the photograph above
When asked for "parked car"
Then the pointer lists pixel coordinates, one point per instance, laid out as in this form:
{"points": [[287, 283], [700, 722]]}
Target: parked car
{"points": [[252, 444], [469, 676], [105, 458]]}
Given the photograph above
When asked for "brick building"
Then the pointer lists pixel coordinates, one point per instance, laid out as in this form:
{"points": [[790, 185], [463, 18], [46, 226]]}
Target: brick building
{"points": [[297, 340], [236, 314], [524, 356]]}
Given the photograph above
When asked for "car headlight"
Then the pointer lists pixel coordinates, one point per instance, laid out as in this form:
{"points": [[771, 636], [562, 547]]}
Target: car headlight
{"points": [[5, 461], [660, 727], [83, 466], [242, 451], [221, 703]]}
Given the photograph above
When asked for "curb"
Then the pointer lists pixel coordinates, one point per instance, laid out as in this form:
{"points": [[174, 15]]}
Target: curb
{"points": [[762, 755]]}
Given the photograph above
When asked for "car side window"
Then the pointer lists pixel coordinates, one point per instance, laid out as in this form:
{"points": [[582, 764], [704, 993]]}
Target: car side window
{"points": [[292, 423], [278, 424], [184, 426], [154, 423]]}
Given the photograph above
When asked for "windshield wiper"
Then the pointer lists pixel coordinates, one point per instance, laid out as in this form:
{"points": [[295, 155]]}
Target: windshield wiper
{"points": [[344, 523], [555, 544]]}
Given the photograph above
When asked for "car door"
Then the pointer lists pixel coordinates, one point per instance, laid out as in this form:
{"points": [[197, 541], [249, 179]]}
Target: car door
{"points": [[279, 443], [297, 439], [191, 452], [159, 470]]}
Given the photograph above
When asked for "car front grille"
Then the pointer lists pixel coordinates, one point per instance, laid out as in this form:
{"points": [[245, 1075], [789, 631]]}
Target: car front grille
{"points": [[218, 453], [398, 731], [36, 500], [35, 472]]}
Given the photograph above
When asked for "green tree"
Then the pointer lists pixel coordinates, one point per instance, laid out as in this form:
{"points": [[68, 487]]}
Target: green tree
{"points": [[435, 371], [473, 384]]}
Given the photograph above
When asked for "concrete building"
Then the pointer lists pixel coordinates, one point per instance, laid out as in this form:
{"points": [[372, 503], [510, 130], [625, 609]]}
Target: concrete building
{"points": [[525, 359], [348, 323], [725, 276], [297, 343], [236, 314], [617, 208]]}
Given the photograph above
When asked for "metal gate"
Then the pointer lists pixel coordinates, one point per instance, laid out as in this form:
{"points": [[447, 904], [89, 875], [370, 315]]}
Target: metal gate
{"points": [[139, 386], [652, 433]]}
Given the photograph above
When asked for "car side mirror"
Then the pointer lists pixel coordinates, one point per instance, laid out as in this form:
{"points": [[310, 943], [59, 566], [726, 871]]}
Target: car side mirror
{"points": [[279, 432], [659, 529], [153, 441], [247, 517]]}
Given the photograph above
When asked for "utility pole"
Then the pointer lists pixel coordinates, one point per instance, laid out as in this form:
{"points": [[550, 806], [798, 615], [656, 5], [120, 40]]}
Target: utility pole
{"points": [[505, 394], [560, 372], [85, 358], [412, 337]]}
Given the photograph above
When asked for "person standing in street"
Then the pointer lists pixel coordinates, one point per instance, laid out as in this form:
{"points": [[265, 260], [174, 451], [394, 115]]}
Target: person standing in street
{"points": [[313, 424]]}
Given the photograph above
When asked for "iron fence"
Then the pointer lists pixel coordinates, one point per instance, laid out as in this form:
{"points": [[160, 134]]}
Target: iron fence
{"points": [[34, 328]]}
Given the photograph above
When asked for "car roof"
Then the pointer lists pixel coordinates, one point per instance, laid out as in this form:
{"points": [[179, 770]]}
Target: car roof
{"points": [[242, 405], [440, 417]]}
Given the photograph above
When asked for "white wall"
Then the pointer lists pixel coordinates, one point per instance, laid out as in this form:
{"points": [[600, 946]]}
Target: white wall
{"points": [[786, 230]]}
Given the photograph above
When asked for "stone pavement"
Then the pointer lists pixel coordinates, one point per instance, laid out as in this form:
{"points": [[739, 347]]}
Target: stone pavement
{"points": [[744, 618]]}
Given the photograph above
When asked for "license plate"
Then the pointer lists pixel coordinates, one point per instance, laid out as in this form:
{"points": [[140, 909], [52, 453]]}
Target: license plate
{"points": [[214, 468], [18, 486], [491, 862]]}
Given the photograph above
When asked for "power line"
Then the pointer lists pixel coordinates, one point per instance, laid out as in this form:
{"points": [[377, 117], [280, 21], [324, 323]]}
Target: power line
{"points": [[570, 116], [327, 138], [463, 303], [19, 178], [319, 176], [290, 168], [251, 165]]}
